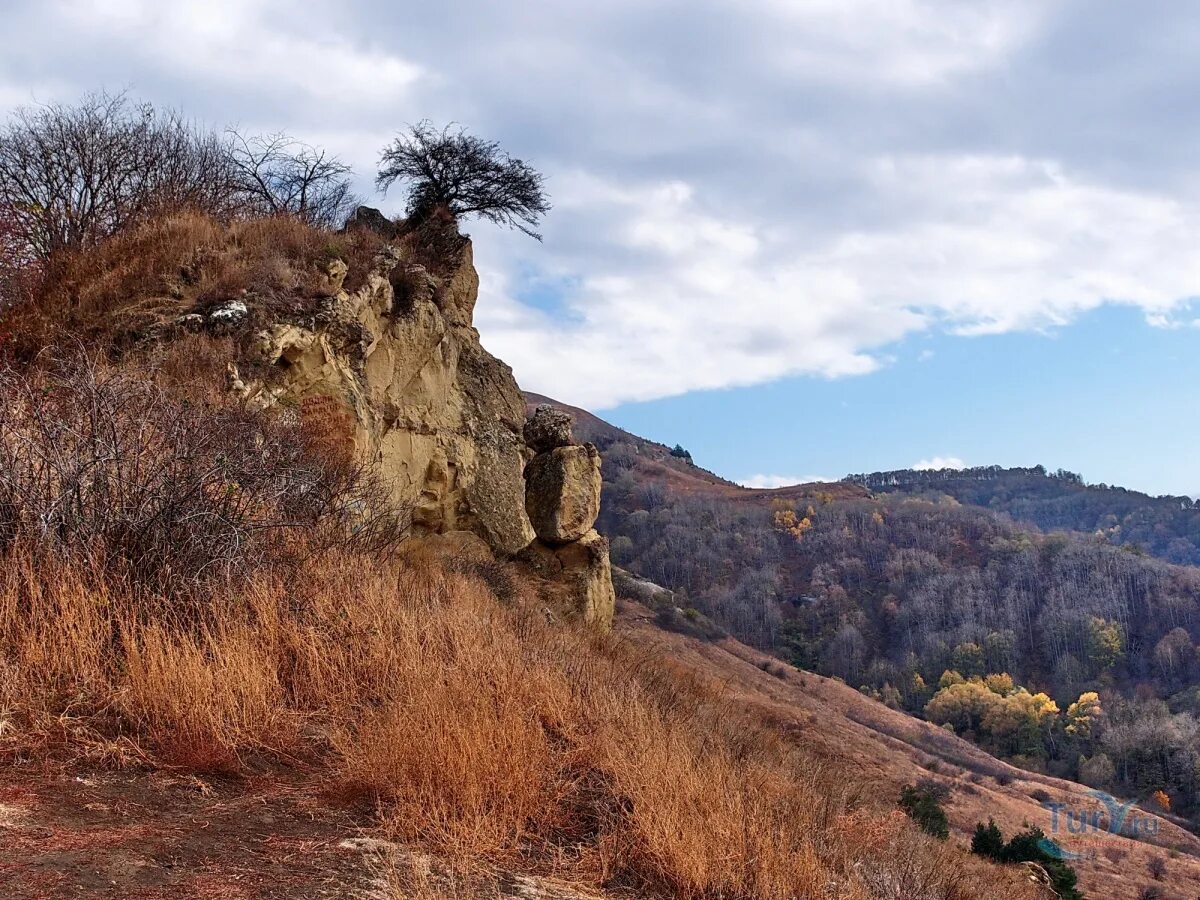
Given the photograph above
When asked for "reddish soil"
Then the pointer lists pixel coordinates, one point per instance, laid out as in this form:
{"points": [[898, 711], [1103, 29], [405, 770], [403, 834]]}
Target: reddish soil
{"points": [[70, 833]]}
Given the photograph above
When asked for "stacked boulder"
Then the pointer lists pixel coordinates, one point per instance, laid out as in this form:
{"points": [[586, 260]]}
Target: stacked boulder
{"points": [[562, 499]]}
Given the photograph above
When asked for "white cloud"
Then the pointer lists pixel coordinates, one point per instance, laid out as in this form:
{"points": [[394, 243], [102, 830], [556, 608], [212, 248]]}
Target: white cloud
{"points": [[823, 179], [778, 481], [671, 297], [910, 43], [939, 462], [266, 47], [676, 299]]}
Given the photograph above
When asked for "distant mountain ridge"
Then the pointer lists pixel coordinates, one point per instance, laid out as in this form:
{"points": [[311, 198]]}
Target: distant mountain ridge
{"points": [[652, 461], [1165, 526]]}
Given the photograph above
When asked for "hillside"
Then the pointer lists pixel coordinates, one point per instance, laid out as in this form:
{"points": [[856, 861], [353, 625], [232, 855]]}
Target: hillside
{"points": [[887, 582], [286, 612], [849, 733], [112, 833], [298, 598], [1166, 526]]}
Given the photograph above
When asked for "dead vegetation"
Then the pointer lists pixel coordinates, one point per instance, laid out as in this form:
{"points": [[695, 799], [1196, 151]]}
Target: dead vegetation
{"points": [[438, 697], [478, 731], [475, 728], [173, 493], [139, 283]]}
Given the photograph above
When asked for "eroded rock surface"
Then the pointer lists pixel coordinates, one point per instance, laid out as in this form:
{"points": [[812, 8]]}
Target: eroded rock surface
{"points": [[440, 415], [583, 570], [548, 428], [562, 498], [396, 368], [562, 493]]}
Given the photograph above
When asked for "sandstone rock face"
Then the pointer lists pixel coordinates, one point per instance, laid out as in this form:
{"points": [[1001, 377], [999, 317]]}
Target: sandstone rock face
{"points": [[547, 428], [562, 497], [401, 376], [562, 493], [583, 569], [440, 415]]}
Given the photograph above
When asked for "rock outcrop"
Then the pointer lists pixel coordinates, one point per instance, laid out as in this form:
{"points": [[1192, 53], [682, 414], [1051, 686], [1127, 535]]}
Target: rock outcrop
{"points": [[562, 498], [583, 572], [440, 415], [562, 493], [547, 428], [398, 363]]}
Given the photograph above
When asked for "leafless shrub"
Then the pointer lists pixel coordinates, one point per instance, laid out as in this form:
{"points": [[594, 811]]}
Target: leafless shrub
{"points": [[1157, 867], [105, 461], [467, 176], [280, 175], [1115, 854], [73, 175], [19, 268]]}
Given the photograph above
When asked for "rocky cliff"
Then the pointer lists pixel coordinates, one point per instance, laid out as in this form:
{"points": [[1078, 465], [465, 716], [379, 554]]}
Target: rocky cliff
{"points": [[442, 418]]}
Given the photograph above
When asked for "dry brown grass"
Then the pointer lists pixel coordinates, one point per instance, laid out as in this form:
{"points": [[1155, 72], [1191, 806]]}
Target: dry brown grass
{"points": [[437, 695], [141, 281], [478, 731]]}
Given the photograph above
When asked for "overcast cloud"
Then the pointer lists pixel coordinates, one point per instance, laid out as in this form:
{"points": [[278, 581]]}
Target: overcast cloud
{"points": [[742, 191]]}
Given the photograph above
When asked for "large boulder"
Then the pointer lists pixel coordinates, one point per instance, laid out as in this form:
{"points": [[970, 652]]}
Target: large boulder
{"points": [[371, 219], [547, 429], [562, 493], [581, 572]]}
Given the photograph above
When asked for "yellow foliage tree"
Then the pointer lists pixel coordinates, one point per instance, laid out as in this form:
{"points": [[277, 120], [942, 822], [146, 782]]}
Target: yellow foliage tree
{"points": [[948, 678], [785, 520], [1083, 714], [1000, 683], [1020, 722], [964, 705], [1106, 643]]}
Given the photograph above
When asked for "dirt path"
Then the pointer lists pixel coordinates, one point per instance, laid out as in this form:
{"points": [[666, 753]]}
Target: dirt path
{"points": [[75, 834], [147, 835]]}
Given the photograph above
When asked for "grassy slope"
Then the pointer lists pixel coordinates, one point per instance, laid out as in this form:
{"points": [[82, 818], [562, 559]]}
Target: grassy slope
{"points": [[868, 743], [884, 747], [431, 702]]}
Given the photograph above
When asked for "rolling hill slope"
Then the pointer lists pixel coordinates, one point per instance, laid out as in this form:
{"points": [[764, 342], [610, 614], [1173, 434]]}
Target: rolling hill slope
{"points": [[877, 585]]}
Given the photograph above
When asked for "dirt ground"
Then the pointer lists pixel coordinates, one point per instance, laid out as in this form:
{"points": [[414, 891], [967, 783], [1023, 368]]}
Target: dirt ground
{"points": [[69, 833], [66, 832]]}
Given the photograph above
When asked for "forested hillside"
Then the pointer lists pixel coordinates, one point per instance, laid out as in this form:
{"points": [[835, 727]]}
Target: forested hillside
{"points": [[1167, 526], [917, 597]]}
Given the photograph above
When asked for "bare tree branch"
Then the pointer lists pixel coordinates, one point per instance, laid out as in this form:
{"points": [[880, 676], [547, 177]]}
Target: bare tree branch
{"points": [[73, 175], [280, 175]]}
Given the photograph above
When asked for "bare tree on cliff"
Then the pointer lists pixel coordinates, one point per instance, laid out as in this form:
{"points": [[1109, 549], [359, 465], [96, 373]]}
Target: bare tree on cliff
{"points": [[468, 176], [278, 175]]}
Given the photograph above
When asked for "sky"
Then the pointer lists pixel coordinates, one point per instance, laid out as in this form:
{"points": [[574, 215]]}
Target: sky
{"points": [[800, 237]]}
